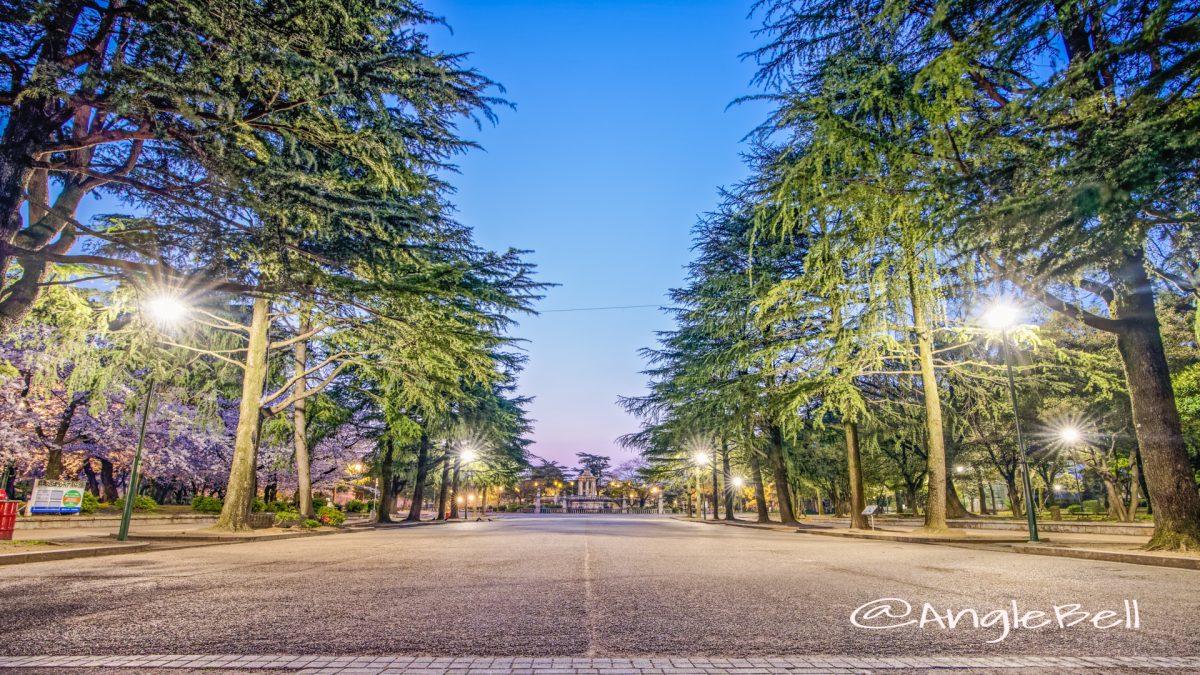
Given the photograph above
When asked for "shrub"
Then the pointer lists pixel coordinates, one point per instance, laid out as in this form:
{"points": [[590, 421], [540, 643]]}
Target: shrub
{"points": [[513, 508], [277, 506], [329, 515], [355, 506], [203, 504], [1074, 509], [258, 506], [1091, 506], [140, 503], [319, 502], [287, 518], [310, 524], [90, 503]]}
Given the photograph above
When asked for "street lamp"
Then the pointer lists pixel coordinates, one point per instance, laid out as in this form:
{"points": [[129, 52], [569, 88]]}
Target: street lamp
{"points": [[700, 459], [738, 484], [1070, 435], [1002, 316], [163, 311]]}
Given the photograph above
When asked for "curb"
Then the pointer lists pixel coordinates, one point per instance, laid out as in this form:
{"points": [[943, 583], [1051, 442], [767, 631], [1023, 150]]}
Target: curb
{"points": [[406, 524], [916, 538], [70, 553], [770, 527], [90, 522], [231, 538], [1110, 556]]}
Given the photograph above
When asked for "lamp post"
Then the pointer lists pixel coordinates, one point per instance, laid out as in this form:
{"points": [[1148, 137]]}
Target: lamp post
{"points": [[1071, 436], [1002, 316], [700, 460], [738, 484], [164, 310]]}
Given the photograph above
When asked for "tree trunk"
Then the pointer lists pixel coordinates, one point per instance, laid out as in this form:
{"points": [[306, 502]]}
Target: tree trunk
{"points": [[1014, 498], [1134, 486], [983, 508], [727, 476], [386, 486], [93, 485], [1155, 415], [20, 296], [911, 490], [820, 503], [239, 492], [954, 505], [935, 510], [300, 418], [54, 463], [31, 123], [779, 468], [1116, 505], [854, 462], [760, 493], [418, 497], [444, 487], [108, 485]]}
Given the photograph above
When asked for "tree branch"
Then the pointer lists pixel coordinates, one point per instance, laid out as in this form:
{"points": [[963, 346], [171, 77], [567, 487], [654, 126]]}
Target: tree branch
{"points": [[1055, 303]]}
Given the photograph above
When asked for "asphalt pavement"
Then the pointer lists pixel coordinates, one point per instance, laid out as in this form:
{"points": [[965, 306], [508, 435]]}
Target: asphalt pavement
{"points": [[594, 586]]}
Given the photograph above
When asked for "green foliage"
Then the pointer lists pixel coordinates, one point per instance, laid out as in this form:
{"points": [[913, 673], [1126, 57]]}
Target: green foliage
{"points": [[356, 506], [258, 506], [329, 515], [205, 504], [311, 524], [90, 503], [286, 518], [278, 506], [140, 503]]}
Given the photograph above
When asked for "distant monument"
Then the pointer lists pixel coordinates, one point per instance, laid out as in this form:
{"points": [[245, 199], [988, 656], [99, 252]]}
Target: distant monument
{"points": [[587, 499], [585, 485]]}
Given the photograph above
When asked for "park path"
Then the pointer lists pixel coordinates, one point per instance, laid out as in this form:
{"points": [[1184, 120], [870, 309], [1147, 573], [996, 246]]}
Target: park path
{"points": [[583, 587]]}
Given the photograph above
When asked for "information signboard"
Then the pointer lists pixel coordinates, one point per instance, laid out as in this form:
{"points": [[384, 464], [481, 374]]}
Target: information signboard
{"points": [[55, 496]]}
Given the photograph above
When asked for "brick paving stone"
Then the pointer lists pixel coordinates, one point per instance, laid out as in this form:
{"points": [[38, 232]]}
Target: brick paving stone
{"points": [[677, 665]]}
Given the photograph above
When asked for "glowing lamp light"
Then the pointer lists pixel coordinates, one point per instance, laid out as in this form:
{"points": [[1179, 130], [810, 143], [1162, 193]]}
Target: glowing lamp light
{"points": [[960, 469], [1001, 315], [165, 309], [1070, 435]]}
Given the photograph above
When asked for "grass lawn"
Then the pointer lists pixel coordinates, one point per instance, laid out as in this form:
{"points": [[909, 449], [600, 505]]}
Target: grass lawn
{"points": [[24, 545]]}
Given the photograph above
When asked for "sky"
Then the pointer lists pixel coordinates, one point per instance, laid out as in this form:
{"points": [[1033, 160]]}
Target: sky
{"points": [[621, 136]]}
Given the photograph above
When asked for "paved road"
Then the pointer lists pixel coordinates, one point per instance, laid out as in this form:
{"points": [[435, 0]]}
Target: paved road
{"points": [[586, 586]]}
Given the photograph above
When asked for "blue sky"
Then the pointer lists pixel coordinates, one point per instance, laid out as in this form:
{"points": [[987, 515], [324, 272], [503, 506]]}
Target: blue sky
{"points": [[620, 139]]}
